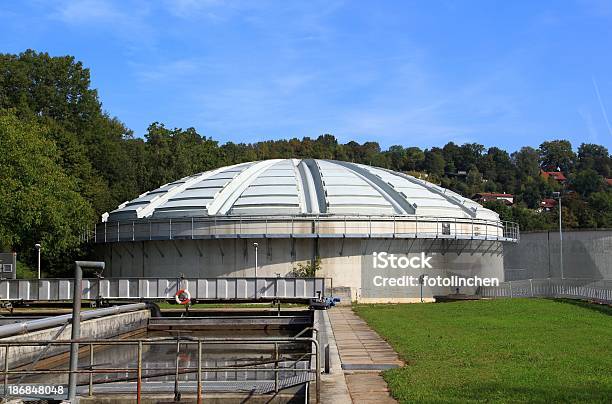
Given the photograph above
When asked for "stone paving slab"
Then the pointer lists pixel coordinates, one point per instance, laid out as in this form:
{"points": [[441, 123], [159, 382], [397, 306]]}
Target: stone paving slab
{"points": [[368, 388], [357, 342], [363, 354]]}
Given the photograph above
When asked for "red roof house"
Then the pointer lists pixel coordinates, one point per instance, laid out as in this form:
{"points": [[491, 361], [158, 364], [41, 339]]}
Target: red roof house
{"points": [[555, 175], [547, 204]]}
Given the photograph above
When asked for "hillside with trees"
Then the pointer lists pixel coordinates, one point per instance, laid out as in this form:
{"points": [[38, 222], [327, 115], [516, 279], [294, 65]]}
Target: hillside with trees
{"points": [[65, 161]]}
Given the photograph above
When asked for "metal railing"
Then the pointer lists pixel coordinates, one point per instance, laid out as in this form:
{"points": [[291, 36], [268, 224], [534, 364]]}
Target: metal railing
{"points": [[589, 289], [308, 226], [239, 288], [279, 364]]}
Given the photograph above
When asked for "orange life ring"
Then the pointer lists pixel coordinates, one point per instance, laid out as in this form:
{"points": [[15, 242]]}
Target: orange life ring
{"points": [[182, 296]]}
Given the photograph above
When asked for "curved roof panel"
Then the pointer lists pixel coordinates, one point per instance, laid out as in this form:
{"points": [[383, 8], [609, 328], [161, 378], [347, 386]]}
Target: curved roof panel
{"points": [[300, 187]]}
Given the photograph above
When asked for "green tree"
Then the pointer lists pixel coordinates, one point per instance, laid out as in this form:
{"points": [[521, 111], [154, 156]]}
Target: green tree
{"points": [[557, 154], [40, 202], [414, 158], [434, 162], [527, 162], [601, 203], [595, 157], [586, 182]]}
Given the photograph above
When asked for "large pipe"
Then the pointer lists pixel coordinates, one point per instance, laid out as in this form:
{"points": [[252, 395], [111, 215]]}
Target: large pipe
{"points": [[76, 322], [9, 330]]}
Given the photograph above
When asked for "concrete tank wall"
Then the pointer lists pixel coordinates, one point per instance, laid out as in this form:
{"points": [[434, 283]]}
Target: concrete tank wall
{"points": [[586, 254], [342, 259], [97, 328]]}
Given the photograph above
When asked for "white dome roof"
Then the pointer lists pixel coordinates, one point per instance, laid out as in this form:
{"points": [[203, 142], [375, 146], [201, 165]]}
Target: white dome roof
{"points": [[300, 187]]}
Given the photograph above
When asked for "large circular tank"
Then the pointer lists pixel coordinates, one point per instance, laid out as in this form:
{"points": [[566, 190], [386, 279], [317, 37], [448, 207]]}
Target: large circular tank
{"points": [[301, 211]]}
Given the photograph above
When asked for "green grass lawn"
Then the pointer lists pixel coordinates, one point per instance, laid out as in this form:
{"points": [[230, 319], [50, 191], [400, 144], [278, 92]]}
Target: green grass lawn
{"points": [[520, 350]]}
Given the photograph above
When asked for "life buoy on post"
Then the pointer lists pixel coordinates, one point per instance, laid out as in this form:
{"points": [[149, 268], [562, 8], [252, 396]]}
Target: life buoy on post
{"points": [[182, 296]]}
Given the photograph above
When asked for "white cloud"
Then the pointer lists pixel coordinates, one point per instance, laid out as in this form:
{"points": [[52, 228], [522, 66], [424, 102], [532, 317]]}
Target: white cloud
{"points": [[173, 70], [88, 11], [126, 20]]}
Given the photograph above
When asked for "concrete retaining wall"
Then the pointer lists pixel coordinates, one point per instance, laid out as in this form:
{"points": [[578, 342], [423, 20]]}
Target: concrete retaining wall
{"points": [[586, 254], [99, 328], [341, 259]]}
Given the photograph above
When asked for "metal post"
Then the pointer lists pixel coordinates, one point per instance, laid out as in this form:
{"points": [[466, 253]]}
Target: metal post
{"points": [[177, 394], [421, 281], [560, 239], [6, 367], [91, 367], [276, 367], [38, 247], [318, 371], [199, 371], [76, 332], [76, 323], [139, 374], [255, 245]]}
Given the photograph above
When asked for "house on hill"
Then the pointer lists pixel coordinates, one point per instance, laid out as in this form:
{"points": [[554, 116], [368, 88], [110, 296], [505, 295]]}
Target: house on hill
{"points": [[547, 204], [482, 197], [555, 175]]}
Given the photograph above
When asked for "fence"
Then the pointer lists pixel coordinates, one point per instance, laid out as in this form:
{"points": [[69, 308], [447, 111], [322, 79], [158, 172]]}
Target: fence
{"points": [[247, 288], [305, 227], [590, 289], [276, 365]]}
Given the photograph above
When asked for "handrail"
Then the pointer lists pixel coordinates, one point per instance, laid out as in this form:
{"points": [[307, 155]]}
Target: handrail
{"points": [[164, 288], [572, 288], [313, 225], [183, 340]]}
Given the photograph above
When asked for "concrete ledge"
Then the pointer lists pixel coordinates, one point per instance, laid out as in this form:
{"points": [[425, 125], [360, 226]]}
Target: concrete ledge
{"points": [[99, 328]]}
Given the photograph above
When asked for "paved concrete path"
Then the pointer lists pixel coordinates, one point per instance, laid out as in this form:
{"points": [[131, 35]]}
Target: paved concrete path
{"points": [[363, 354], [360, 347]]}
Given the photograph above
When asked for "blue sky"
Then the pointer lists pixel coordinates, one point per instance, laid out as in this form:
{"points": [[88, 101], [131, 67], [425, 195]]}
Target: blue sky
{"points": [[501, 73]]}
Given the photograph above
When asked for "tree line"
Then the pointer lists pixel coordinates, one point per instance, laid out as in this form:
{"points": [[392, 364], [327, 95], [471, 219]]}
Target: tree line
{"points": [[64, 161]]}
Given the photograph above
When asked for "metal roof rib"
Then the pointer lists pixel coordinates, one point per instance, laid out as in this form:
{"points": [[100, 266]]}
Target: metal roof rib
{"points": [[317, 188], [398, 201], [433, 188], [225, 199]]}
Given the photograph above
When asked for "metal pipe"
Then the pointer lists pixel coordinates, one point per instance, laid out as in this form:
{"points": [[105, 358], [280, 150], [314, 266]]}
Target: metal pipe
{"points": [[54, 321], [76, 322]]}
